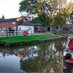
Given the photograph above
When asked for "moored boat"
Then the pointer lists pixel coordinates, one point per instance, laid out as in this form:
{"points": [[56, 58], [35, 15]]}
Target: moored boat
{"points": [[68, 52]]}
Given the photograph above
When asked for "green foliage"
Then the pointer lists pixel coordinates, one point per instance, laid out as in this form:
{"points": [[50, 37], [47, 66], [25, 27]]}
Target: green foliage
{"points": [[28, 6], [60, 19], [47, 10], [42, 19], [36, 20], [69, 9], [39, 8], [45, 20]]}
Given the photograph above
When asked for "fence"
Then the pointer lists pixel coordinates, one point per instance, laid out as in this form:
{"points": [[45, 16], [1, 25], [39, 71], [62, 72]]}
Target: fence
{"points": [[11, 33]]}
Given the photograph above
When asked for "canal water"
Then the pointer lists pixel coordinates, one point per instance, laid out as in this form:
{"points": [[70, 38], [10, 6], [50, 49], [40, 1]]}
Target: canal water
{"points": [[40, 58]]}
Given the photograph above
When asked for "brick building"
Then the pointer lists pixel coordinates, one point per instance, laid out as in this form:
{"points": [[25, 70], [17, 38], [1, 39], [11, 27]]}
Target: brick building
{"points": [[7, 26]]}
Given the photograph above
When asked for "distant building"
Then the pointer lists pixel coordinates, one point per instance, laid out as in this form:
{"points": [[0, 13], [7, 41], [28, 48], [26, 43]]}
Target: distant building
{"points": [[16, 26], [68, 27], [25, 25], [7, 25]]}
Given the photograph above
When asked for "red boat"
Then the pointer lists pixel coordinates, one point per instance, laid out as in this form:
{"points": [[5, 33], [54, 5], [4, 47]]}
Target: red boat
{"points": [[68, 53]]}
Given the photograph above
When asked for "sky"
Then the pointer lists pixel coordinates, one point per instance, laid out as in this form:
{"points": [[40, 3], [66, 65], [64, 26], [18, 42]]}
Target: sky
{"points": [[10, 8], [72, 0]]}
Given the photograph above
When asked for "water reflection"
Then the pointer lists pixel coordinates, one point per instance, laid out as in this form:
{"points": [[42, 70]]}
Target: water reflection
{"points": [[43, 58], [9, 63], [68, 68], [68, 71], [48, 56]]}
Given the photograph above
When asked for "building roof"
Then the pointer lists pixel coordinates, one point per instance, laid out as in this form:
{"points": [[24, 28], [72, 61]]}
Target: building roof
{"points": [[8, 20], [26, 23]]}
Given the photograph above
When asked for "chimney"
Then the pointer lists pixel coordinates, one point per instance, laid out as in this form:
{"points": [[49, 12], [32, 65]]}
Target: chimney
{"points": [[3, 17]]}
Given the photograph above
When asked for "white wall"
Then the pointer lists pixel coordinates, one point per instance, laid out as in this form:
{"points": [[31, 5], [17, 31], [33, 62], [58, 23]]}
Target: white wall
{"points": [[29, 28]]}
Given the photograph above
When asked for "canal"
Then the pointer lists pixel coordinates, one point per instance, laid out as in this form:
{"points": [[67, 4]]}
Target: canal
{"points": [[40, 58]]}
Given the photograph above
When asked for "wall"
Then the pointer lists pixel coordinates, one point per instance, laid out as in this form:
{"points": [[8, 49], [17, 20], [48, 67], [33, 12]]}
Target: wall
{"points": [[4, 27], [29, 28]]}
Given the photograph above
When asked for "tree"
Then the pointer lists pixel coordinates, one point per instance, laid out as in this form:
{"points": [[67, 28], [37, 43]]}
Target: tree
{"points": [[45, 9], [69, 11], [27, 6]]}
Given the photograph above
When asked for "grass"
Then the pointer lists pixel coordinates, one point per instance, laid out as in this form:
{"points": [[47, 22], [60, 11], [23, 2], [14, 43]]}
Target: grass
{"points": [[65, 33], [26, 39]]}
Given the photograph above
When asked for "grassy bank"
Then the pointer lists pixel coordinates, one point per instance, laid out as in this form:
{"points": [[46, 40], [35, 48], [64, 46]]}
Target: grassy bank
{"points": [[65, 33], [25, 39]]}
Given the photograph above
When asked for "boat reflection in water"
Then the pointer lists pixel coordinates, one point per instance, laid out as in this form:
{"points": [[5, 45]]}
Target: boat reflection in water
{"points": [[42, 58], [68, 55]]}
